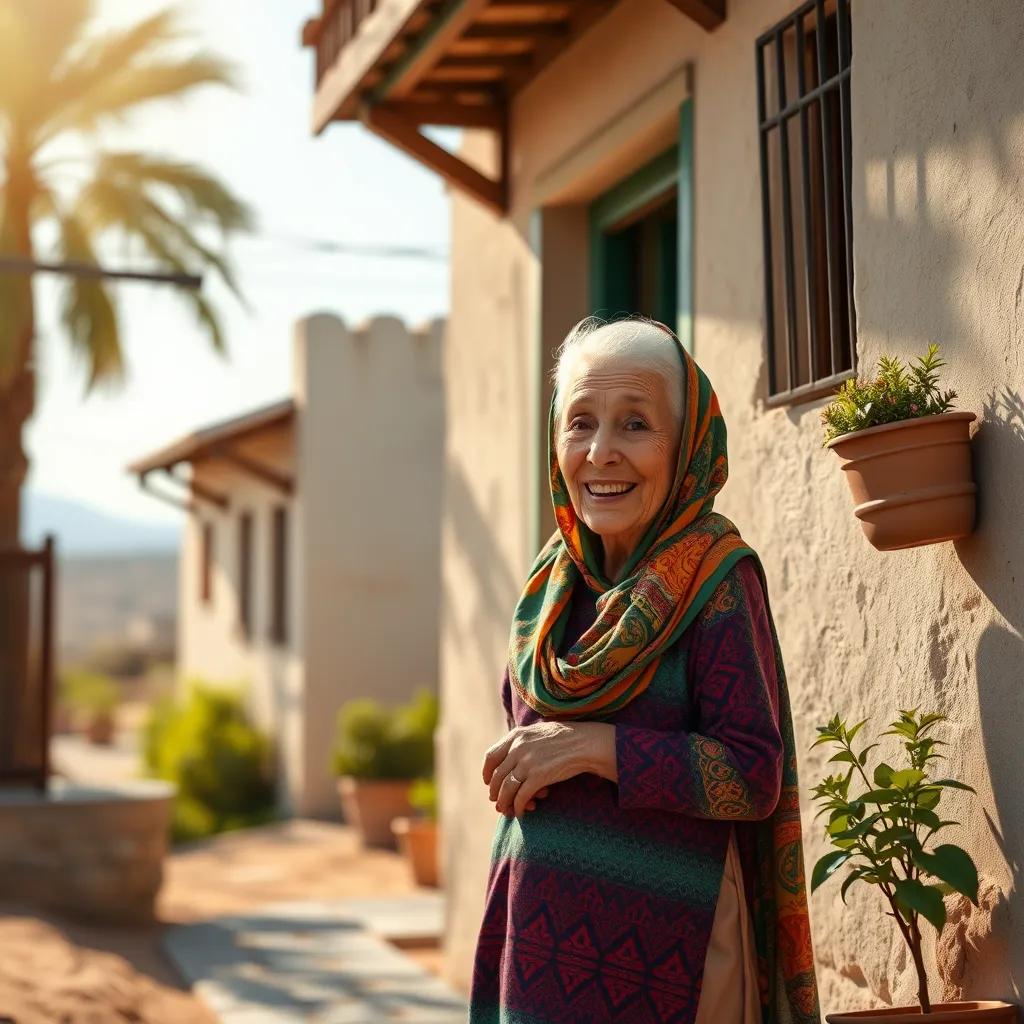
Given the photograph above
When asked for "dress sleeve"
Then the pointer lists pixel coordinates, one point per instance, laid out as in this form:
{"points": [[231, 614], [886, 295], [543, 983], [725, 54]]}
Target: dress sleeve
{"points": [[731, 768], [506, 698]]}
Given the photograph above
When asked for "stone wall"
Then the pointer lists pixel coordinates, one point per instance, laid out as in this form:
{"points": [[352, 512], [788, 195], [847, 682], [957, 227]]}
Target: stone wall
{"points": [[93, 853]]}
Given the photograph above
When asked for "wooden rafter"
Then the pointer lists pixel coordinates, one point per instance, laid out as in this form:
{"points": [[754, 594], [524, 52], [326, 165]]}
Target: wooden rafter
{"points": [[580, 18], [404, 134], [709, 14], [282, 482], [459, 115]]}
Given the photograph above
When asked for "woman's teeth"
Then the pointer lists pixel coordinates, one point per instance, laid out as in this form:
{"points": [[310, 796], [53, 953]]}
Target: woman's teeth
{"points": [[606, 490]]}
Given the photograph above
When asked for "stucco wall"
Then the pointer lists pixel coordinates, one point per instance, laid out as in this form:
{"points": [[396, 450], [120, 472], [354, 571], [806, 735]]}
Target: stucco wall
{"points": [[938, 133], [370, 423]]}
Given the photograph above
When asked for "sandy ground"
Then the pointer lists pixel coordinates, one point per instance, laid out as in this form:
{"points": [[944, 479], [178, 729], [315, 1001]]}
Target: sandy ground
{"points": [[56, 971]]}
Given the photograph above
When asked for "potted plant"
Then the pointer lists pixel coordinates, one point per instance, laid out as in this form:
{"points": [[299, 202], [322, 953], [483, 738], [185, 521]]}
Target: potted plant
{"points": [[378, 755], [885, 834], [418, 836], [906, 455], [93, 699]]}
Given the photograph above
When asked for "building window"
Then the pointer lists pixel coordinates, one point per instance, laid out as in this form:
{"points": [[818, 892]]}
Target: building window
{"points": [[245, 574], [206, 564], [803, 93], [634, 232], [279, 576]]}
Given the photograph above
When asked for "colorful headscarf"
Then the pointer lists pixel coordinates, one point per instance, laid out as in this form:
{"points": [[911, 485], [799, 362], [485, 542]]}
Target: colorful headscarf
{"points": [[683, 556]]}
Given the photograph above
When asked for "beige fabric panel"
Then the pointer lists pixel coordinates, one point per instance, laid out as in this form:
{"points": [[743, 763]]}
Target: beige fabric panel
{"points": [[729, 993]]}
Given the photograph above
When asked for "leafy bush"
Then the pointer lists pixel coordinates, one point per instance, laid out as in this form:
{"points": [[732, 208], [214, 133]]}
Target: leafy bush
{"points": [[377, 743], [219, 762], [89, 692], [898, 392], [423, 798], [885, 830]]}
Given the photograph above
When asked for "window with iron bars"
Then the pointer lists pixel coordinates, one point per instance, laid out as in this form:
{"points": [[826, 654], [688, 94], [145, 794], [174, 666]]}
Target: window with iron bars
{"points": [[803, 98]]}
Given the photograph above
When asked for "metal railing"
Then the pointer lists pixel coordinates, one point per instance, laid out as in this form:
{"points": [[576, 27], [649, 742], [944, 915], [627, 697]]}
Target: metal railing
{"points": [[27, 587]]}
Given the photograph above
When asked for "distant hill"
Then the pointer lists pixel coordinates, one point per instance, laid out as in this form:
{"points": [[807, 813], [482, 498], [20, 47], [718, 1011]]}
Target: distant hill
{"points": [[83, 530]]}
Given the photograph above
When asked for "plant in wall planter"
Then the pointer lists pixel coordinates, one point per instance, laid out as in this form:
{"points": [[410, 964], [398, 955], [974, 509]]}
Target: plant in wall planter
{"points": [[418, 836], [905, 454], [885, 835], [378, 755]]}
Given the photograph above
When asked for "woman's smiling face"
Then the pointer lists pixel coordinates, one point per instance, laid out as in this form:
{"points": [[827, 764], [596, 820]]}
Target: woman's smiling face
{"points": [[617, 444]]}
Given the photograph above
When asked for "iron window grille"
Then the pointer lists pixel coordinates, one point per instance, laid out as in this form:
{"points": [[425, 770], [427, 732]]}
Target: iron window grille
{"points": [[803, 101]]}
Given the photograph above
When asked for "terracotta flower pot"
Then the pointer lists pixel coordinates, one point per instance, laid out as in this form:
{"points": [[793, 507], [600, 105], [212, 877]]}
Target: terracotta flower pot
{"points": [[418, 839], [372, 804], [99, 728], [911, 481], [985, 1012]]}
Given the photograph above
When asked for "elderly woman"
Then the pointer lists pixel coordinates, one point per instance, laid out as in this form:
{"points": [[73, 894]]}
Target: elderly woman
{"points": [[648, 865]]}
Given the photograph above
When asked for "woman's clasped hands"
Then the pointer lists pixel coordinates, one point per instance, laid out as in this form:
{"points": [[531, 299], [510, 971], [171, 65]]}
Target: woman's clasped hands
{"points": [[522, 766]]}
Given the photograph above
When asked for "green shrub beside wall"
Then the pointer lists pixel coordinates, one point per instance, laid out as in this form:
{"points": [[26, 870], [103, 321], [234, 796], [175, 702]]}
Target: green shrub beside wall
{"points": [[220, 763], [375, 742]]}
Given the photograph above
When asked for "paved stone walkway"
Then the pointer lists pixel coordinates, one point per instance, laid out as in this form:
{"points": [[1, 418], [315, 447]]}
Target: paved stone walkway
{"points": [[318, 962]]}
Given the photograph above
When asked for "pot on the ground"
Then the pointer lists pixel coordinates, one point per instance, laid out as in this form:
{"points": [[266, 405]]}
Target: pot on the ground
{"points": [[99, 728], [983, 1012], [911, 480], [372, 804], [418, 839]]}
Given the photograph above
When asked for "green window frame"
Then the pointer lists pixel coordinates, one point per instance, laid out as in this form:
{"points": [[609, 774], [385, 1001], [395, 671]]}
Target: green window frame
{"points": [[609, 271]]}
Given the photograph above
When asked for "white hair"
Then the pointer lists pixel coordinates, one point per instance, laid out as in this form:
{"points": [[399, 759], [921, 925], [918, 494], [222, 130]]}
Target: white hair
{"points": [[639, 339]]}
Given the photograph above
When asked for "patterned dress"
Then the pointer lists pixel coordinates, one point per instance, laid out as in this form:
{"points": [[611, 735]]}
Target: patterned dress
{"points": [[590, 915]]}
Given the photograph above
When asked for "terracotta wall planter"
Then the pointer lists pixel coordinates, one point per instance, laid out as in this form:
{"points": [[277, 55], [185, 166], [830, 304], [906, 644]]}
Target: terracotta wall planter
{"points": [[986, 1012], [911, 481], [418, 839], [372, 804]]}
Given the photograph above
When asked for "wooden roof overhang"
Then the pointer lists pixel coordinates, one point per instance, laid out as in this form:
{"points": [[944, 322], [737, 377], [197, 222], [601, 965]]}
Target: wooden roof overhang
{"points": [[397, 65], [217, 441]]}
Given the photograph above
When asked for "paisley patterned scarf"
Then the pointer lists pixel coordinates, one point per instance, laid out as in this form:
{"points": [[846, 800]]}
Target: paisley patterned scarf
{"points": [[686, 552]]}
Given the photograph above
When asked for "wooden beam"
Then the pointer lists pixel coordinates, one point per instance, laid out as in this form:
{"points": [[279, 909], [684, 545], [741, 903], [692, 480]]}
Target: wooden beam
{"points": [[405, 135], [580, 19], [526, 30], [282, 482], [482, 61], [170, 499], [457, 115], [709, 14], [452, 20]]}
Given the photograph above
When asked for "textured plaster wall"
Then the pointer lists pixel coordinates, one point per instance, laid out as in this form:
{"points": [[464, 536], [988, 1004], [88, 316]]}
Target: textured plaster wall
{"points": [[938, 143], [370, 423]]}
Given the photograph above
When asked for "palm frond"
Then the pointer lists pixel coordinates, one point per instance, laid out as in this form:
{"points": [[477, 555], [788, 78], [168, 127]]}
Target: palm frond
{"points": [[123, 202], [114, 96], [87, 309], [104, 205], [35, 39], [202, 194]]}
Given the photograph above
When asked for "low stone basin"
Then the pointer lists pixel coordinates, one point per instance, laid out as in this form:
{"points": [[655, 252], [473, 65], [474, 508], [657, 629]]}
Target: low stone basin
{"points": [[96, 852]]}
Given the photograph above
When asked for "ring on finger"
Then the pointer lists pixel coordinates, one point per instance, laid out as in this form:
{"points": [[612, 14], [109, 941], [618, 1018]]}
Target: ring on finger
{"points": [[514, 780]]}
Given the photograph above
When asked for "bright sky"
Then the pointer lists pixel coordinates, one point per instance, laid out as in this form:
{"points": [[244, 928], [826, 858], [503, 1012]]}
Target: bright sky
{"points": [[345, 186]]}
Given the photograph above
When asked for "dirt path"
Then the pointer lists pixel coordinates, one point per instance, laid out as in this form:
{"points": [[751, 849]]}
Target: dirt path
{"points": [[56, 972]]}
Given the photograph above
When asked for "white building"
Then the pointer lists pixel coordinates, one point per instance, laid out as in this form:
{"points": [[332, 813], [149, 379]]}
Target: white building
{"points": [[310, 556]]}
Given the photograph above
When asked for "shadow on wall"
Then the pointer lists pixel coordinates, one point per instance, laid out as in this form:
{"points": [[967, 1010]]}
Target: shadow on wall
{"points": [[496, 589], [984, 947]]}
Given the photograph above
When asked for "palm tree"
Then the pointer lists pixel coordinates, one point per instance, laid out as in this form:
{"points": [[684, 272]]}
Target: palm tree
{"points": [[61, 85]]}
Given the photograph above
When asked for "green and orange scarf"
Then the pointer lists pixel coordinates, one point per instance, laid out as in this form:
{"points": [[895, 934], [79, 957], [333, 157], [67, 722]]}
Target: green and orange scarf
{"points": [[681, 559]]}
